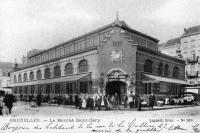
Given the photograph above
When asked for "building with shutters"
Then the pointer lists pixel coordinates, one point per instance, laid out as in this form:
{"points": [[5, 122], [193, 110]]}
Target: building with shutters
{"points": [[188, 46]]}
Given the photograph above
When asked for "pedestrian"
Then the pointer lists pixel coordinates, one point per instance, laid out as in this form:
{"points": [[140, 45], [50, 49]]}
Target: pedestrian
{"points": [[21, 97], [106, 102], [116, 100], [48, 98], [133, 101], [139, 100], [71, 99], [66, 99], [1, 105], [9, 99], [88, 102], [59, 100], [84, 103], [151, 101], [76, 101], [39, 99], [125, 101], [100, 102], [96, 100], [91, 103], [80, 102], [113, 101], [130, 100]]}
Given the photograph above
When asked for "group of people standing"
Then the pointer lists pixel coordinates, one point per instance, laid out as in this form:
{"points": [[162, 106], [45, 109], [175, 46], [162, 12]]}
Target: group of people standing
{"points": [[99, 101], [134, 101]]}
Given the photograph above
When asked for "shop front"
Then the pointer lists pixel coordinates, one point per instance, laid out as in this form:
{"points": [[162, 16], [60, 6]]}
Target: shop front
{"points": [[70, 85], [162, 87]]}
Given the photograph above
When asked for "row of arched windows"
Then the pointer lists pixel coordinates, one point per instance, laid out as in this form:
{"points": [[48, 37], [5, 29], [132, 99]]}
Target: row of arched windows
{"points": [[69, 69], [161, 70]]}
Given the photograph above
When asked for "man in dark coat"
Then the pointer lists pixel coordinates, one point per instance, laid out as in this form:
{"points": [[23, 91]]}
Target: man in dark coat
{"points": [[136, 101], [76, 101], [116, 104], [106, 102], [92, 103], [125, 101], [80, 102], [1, 105], [59, 99], [151, 101], [139, 100], [9, 99], [99, 102], [39, 99]]}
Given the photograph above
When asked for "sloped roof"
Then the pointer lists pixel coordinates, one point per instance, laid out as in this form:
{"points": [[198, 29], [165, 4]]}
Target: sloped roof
{"points": [[121, 24], [172, 42], [191, 30]]}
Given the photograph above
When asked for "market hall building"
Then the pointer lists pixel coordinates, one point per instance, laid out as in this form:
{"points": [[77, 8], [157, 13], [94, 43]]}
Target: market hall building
{"points": [[112, 59]]}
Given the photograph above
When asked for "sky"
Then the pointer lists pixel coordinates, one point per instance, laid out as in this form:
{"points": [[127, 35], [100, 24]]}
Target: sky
{"points": [[41, 24]]}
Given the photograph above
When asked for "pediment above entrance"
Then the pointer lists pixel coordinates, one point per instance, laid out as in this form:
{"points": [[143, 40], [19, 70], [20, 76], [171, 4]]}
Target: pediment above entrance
{"points": [[117, 75]]}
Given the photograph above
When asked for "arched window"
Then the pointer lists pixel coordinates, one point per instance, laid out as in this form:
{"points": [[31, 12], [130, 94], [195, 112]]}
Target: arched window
{"points": [[47, 73], [39, 74], [148, 66], [166, 70], [31, 76], [160, 69], [57, 72], [15, 79], [175, 72], [83, 66], [69, 69], [25, 77], [19, 78]]}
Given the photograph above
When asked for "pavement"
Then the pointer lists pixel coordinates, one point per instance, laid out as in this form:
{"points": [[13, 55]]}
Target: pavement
{"points": [[122, 107], [20, 108], [186, 116]]}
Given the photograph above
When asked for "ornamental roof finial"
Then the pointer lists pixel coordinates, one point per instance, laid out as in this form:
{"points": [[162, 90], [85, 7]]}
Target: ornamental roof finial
{"points": [[117, 16]]}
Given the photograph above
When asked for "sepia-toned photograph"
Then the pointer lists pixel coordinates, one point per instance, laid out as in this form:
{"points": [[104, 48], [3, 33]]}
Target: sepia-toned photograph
{"points": [[99, 66]]}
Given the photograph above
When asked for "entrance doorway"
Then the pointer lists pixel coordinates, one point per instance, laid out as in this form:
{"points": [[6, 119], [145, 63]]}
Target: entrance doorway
{"points": [[118, 87]]}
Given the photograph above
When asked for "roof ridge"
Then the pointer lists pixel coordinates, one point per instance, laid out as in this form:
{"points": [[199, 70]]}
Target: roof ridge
{"points": [[194, 26]]}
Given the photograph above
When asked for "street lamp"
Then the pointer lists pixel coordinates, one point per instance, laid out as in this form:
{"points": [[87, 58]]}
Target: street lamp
{"points": [[101, 81], [133, 82]]}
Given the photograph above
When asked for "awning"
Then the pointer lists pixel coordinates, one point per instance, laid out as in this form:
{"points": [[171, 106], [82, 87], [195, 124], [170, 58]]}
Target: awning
{"points": [[193, 87], [157, 79], [53, 80], [6, 90]]}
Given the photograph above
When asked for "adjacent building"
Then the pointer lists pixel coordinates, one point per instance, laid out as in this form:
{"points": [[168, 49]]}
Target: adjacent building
{"points": [[5, 80], [188, 47], [112, 59], [171, 47]]}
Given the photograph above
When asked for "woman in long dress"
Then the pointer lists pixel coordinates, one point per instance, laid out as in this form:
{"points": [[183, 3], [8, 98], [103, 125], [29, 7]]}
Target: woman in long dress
{"points": [[84, 103]]}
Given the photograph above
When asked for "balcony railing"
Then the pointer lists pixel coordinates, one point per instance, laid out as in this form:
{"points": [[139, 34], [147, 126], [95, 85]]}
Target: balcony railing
{"points": [[192, 74], [193, 59]]}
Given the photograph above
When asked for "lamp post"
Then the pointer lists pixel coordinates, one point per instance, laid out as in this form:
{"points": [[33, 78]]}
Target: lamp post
{"points": [[133, 81], [101, 82]]}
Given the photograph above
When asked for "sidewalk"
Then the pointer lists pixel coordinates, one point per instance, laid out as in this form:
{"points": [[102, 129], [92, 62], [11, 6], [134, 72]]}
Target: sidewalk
{"points": [[171, 106], [164, 107]]}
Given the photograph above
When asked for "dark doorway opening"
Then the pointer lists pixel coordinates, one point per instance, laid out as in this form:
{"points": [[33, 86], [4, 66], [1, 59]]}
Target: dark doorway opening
{"points": [[116, 87]]}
